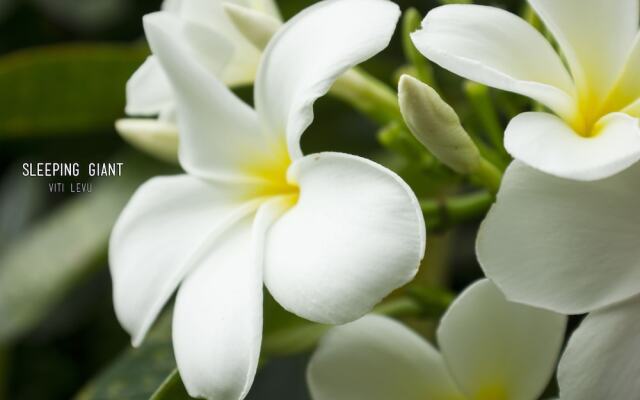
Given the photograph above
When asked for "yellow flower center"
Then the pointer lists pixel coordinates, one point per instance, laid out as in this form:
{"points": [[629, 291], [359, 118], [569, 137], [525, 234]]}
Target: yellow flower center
{"points": [[270, 172], [491, 392], [590, 110]]}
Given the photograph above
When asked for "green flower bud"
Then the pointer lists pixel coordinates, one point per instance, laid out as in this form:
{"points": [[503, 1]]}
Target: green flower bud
{"points": [[437, 126]]}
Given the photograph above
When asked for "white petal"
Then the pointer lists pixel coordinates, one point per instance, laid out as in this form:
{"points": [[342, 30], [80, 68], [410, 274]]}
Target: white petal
{"points": [[310, 52], [499, 350], [355, 234], [602, 359], [547, 143], [210, 14], [218, 132], [627, 89], [217, 324], [594, 35], [564, 245], [376, 358], [498, 49], [148, 90], [158, 138], [154, 242]]}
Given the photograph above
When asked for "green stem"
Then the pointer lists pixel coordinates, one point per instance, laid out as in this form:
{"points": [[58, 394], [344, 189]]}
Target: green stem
{"points": [[488, 176], [423, 70], [457, 209], [484, 108], [401, 307], [368, 95]]}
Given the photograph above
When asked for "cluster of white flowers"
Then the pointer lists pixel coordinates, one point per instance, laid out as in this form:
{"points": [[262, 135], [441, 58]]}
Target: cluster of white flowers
{"points": [[331, 234]]}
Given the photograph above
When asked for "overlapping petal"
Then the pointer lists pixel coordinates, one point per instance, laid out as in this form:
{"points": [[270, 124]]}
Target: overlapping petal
{"points": [[217, 324], [627, 89], [165, 225], [149, 92], [596, 43], [561, 244], [218, 132], [376, 358], [355, 234], [309, 53], [496, 48], [601, 359], [217, 320], [548, 144], [496, 349]]}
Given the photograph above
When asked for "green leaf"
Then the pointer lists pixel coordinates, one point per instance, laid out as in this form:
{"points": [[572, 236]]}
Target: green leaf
{"points": [[138, 373], [171, 389], [38, 268], [68, 89]]}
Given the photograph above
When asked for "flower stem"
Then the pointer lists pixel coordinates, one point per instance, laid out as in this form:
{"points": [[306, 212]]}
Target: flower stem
{"points": [[488, 176], [457, 209], [368, 95], [423, 70], [484, 108]]}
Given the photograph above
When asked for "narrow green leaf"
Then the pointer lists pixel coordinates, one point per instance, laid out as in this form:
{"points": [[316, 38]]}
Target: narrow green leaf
{"points": [[171, 389], [138, 373], [38, 268], [65, 89]]}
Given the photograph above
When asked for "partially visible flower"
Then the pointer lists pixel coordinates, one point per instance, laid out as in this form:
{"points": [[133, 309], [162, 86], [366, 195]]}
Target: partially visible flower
{"points": [[602, 359], [490, 349], [329, 234], [217, 45], [593, 131], [574, 247], [568, 246]]}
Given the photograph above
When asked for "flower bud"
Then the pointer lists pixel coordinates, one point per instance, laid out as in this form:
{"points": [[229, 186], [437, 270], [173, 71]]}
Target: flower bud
{"points": [[154, 137], [437, 126], [255, 26]]}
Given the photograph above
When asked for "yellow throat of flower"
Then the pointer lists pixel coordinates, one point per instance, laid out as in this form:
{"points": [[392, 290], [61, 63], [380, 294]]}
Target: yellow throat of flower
{"points": [[491, 392], [270, 172]]}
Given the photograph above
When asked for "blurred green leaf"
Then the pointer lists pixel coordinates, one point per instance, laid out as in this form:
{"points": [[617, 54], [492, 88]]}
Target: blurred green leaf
{"points": [[171, 389], [69, 89], [85, 15], [39, 267], [137, 373]]}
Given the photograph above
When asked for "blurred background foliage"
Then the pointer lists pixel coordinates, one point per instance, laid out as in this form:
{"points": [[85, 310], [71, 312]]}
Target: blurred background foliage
{"points": [[63, 69]]}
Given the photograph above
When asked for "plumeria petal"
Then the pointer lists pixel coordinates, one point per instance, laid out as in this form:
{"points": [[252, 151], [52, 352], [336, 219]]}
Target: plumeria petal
{"points": [[217, 324], [218, 132], [241, 68], [155, 240], [217, 321], [627, 90], [564, 245], [601, 359], [310, 52], [355, 234], [496, 349], [149, 92], [498, 49], [547, 143], [595, 36], [156, 137], [376, 358]]}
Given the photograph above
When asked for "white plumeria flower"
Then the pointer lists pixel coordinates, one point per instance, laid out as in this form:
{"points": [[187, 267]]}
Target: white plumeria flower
{"points": [[593, 131], [329, 234], [573, 247], [490, 349], [218, 46]]}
